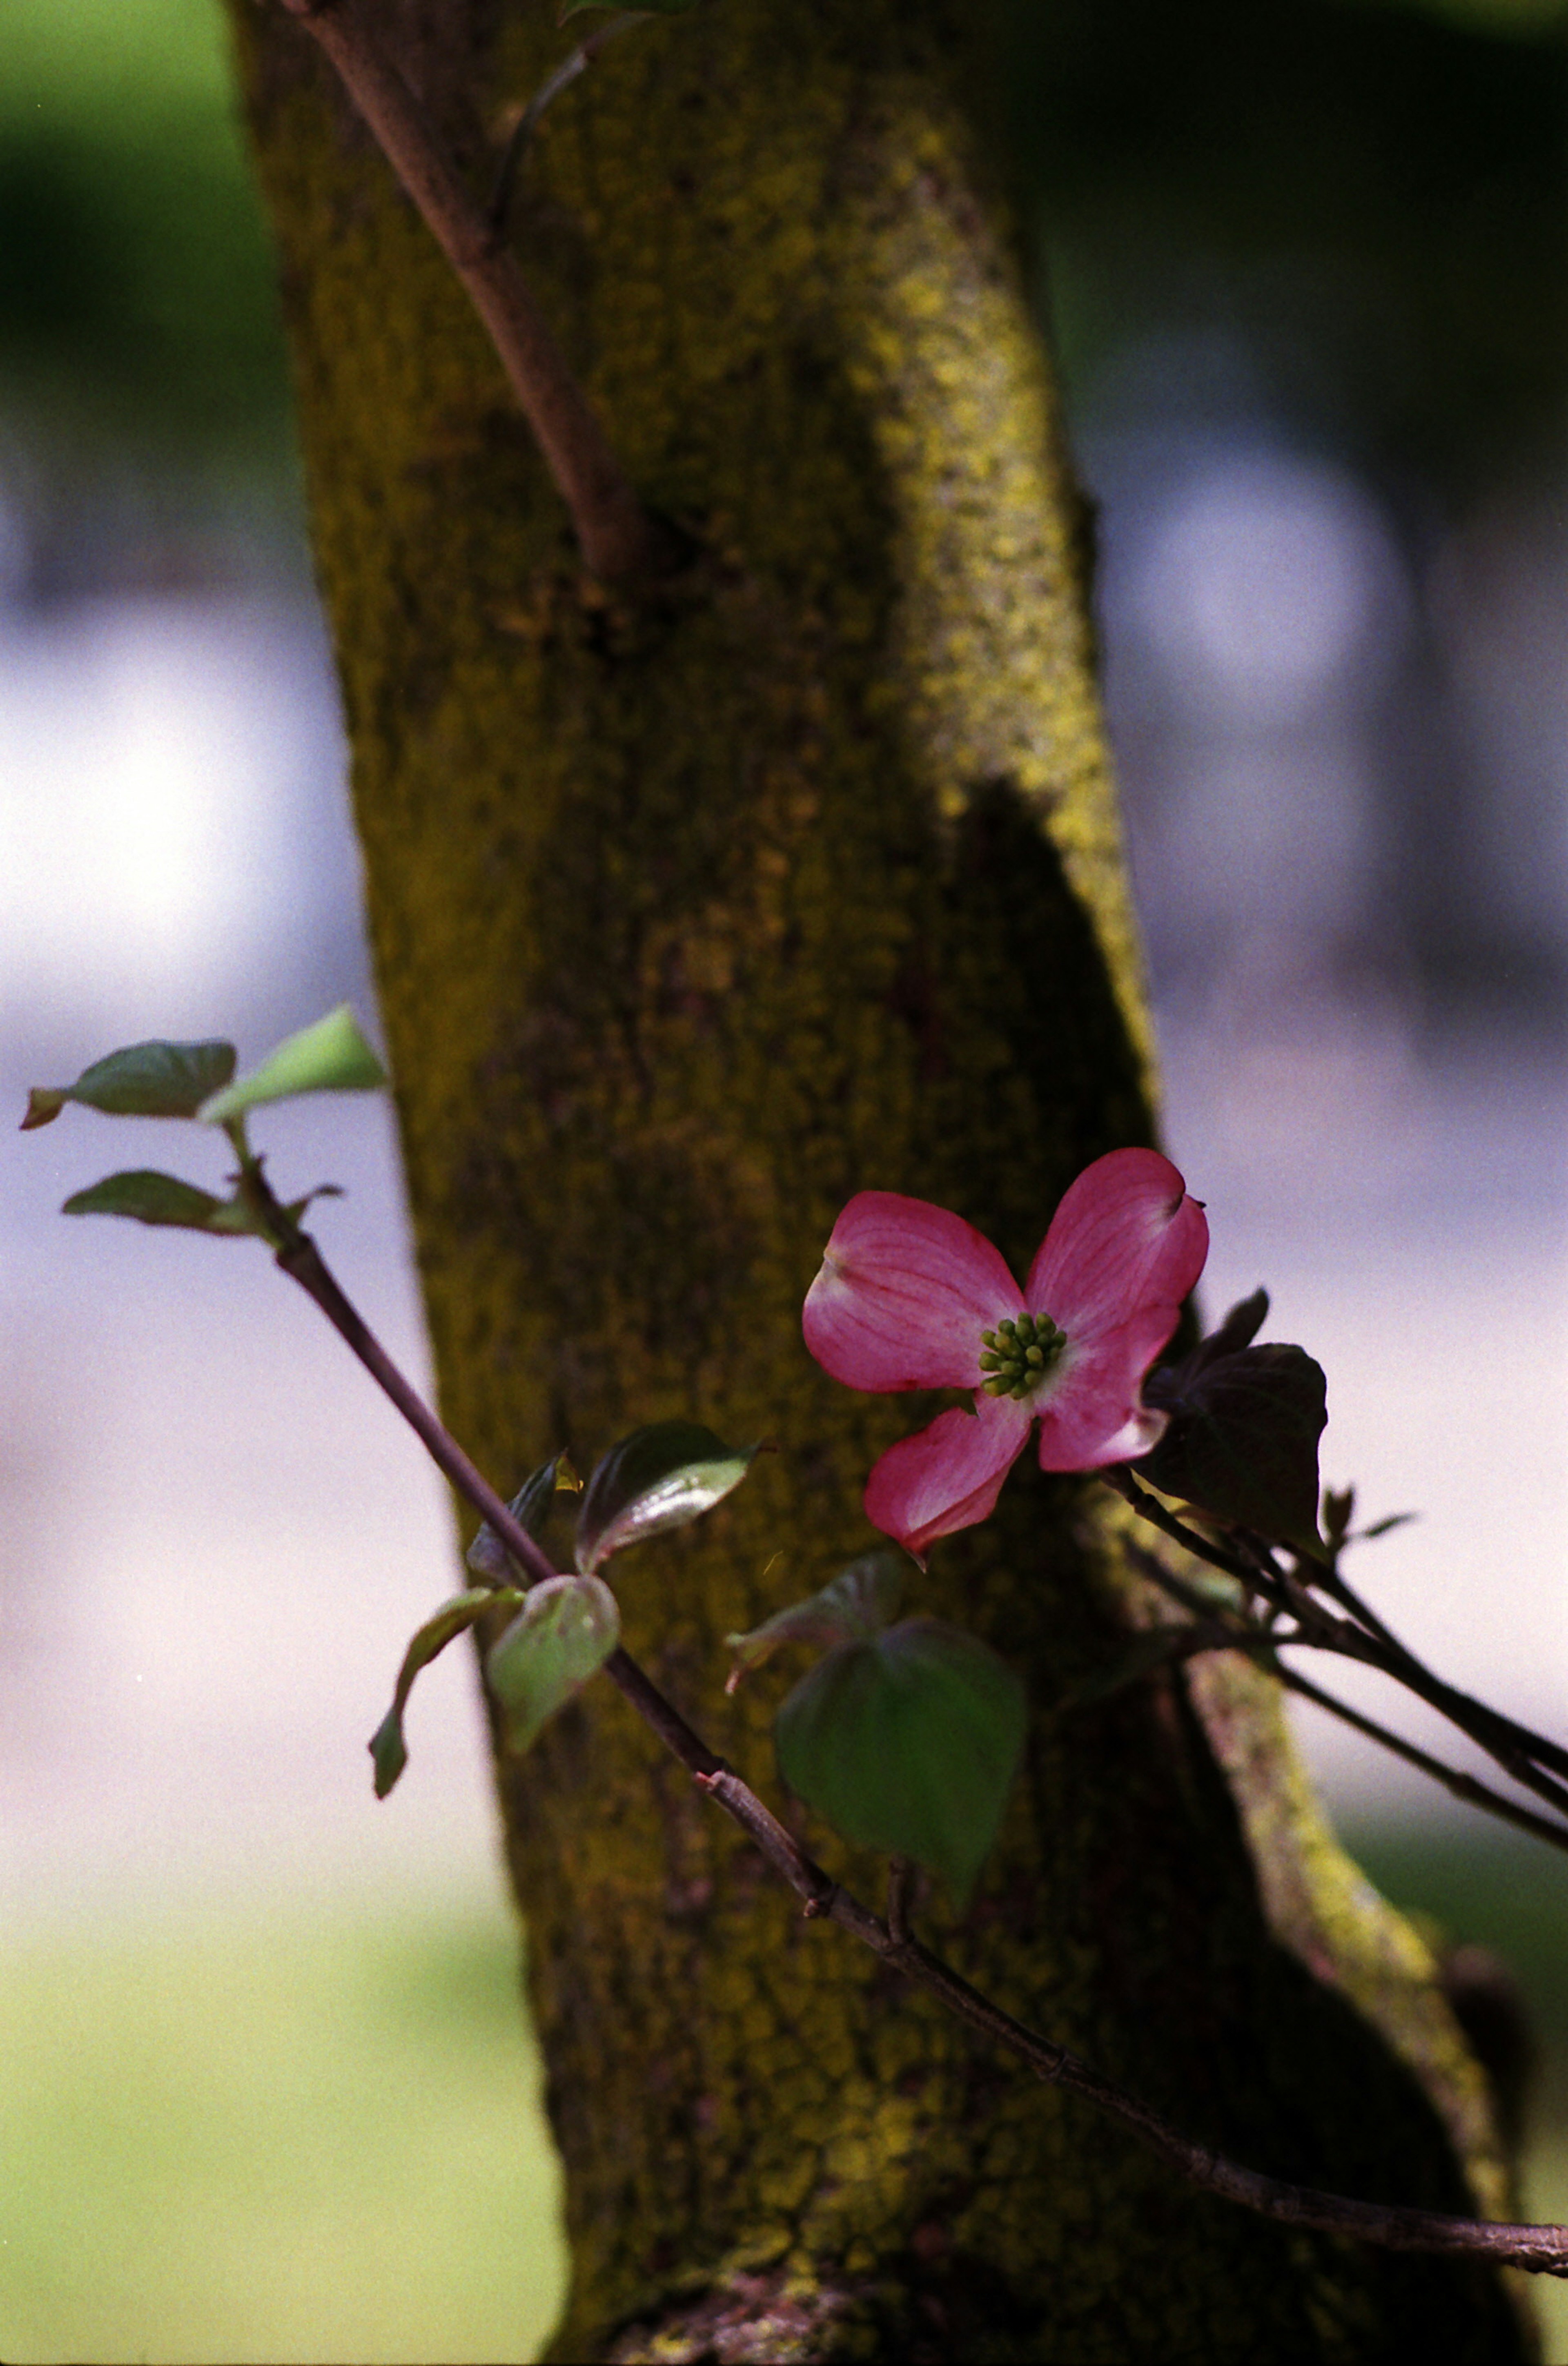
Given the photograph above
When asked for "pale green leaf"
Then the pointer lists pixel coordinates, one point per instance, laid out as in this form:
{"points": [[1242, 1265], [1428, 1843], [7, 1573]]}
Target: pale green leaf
{"points": [[331, 1056], [153, 1079], [566, 1630], [153, 1198], [660, 1477], [387, 1745], [858, 1604], [909, 1744]]}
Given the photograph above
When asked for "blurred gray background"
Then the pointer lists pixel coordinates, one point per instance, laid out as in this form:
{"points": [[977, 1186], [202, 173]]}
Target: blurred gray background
{"points": [[1305, 273]]}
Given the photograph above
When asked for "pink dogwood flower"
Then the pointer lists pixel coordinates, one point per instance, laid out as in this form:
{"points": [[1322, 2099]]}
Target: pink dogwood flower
{"points": [[911, 1297]]}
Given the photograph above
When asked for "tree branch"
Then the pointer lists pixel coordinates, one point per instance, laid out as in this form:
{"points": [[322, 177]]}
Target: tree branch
{"points": [[620, 538], [1455, 1704], [898, 1873], [1512, 1747], [1543, 2250], [1209, 1633], [1468, 1788]]}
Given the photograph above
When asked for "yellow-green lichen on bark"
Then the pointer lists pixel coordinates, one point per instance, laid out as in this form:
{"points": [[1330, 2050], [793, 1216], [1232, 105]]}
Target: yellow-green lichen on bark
{"points": [[993, 638], [692, 916], [1322, 1904]]}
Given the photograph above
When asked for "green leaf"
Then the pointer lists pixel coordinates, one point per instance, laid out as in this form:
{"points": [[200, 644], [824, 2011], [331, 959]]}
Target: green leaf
{"points": [[858, 1604], [387, 1745], [909, 1744], [487, 1556], [1385, 1526], [566, 1630], [1338, 1511], [660, 1477], [1242, 1444], [144, 1080], [296, 1207], [154, 1199], [1239, 1329], [331, 1056]]}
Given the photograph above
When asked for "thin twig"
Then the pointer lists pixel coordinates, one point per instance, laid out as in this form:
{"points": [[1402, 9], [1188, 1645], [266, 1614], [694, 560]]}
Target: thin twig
{"points": [[783, 1851], [564, 75], [620, 538], [303, 1262], [1209, 1633], [1120, 1481], [1518, 1751], [1510, 1746], [1336, 1584], [899, 1872], [1534, 1745], [1540, 2250], [1468, 1788]]}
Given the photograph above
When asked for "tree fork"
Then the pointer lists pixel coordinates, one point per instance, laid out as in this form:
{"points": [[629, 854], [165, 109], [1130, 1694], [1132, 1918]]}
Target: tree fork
{"points": [[691, 918]]}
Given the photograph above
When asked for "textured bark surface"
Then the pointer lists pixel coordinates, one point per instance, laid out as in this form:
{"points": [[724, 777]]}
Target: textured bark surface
{"points": [[692, 917]]}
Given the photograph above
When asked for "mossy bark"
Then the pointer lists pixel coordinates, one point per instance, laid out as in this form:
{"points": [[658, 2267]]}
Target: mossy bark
{"points": [[692, 916]]}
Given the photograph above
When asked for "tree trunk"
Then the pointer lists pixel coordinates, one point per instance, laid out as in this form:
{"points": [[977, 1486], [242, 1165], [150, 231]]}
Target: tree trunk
{"points": [[694, 913]]}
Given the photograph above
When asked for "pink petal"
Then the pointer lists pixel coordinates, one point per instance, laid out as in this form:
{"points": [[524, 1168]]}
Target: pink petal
{"points": [[905, 1291], [1095, 1414], [948, 1476], [1126, 1240]]}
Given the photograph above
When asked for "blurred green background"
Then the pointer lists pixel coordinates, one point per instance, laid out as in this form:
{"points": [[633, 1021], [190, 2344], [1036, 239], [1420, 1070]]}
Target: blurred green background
{"points": [[272, 2135], [236, 2130], [141, 368], [1370, 191]]}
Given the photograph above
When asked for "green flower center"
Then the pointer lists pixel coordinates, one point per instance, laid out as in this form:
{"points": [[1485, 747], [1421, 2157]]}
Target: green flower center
{"points": [[1018, 1355]]}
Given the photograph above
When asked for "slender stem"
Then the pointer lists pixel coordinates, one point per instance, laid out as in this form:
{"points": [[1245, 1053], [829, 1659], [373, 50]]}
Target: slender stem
{"points": [[564, 75], [303, 1262], [1119, 1480], [1509, 1746], [1535, 1745], [620, 538], [680, 1738], [819, 1891], [1463, 1787], [1209, 1633], [1512, 1747], [898, 1873], [1335, 1585], [1541, 2249]]}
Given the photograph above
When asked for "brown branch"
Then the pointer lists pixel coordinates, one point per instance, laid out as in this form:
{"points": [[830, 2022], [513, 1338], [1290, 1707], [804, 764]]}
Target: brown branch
{"points": [[1209, 1633], [1543, 2250], [898, 1873], [1468, 1788], [303, 1262], [1120, 1481], [620, 538], [1456, 1705], [1512, 1747]]}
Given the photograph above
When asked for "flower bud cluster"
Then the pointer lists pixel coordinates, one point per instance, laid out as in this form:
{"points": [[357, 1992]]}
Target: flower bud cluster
{"points": [[1018, 1355]]}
